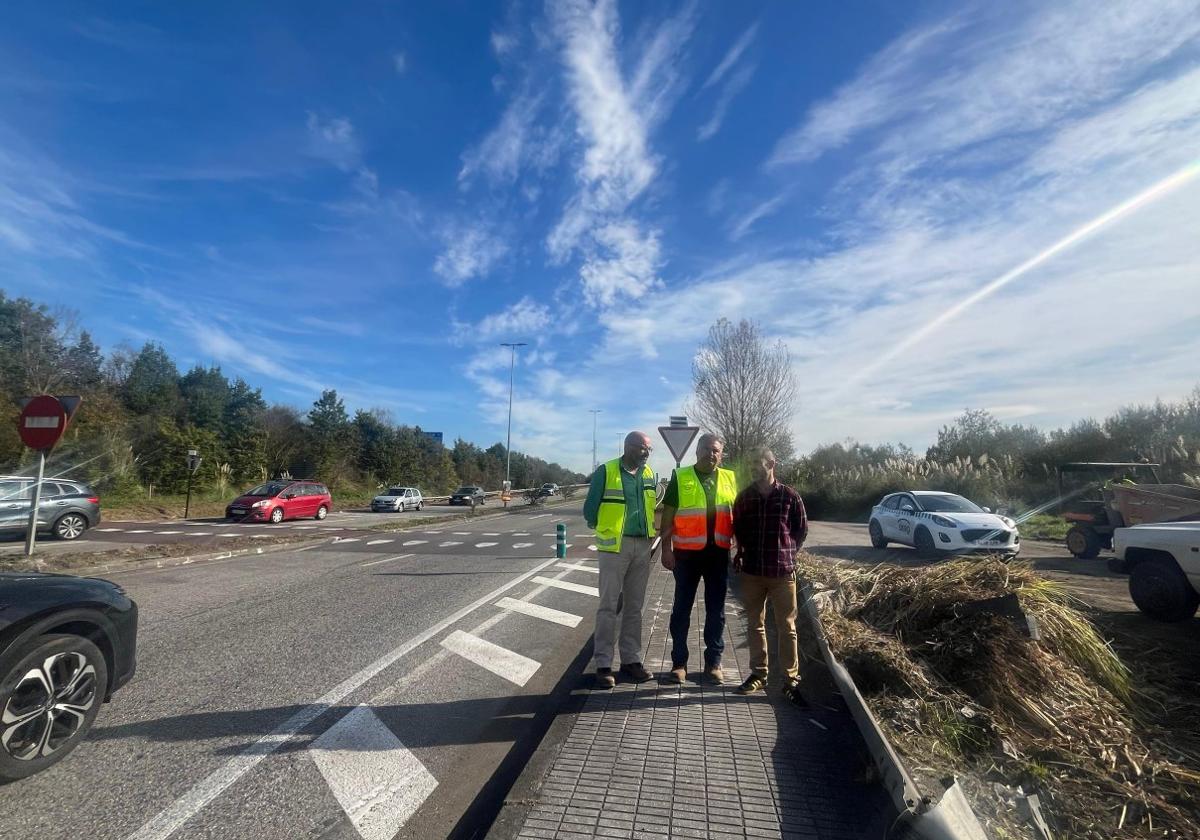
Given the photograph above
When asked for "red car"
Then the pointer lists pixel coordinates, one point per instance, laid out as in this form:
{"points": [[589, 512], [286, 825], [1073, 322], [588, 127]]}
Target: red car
{"points": [[278, 500]]}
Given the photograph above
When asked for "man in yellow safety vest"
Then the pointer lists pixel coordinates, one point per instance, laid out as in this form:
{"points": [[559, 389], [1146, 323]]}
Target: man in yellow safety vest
{"points": [[697, 531], [620, 508]]}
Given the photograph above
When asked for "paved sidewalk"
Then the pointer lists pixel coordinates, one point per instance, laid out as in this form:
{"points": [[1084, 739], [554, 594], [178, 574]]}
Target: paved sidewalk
{"points": [[668, 761]]}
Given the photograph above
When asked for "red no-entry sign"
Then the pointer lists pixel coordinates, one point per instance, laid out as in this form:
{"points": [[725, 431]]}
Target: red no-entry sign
{"points": [[44, 419]]}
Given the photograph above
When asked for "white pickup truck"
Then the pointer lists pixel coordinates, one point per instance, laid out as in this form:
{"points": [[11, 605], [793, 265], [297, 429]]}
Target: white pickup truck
{"points": [[1163, 564]]}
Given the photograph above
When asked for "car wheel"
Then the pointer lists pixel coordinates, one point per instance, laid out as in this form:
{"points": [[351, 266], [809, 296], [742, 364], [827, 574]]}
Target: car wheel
{"points": [[876, 532], [1160, 589], [923, 542], [277, 516], [1083, 542], [70, 526], [322, 512], [420, 505], [50, 692]]}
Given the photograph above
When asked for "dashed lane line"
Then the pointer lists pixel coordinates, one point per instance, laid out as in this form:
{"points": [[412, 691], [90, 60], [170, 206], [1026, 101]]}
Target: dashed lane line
{"points": [[110, 530], [201, 794], [522, 545], [501, 661], [414, 542], [385, 560], [379, 542], [448, 544], [566, 619]]}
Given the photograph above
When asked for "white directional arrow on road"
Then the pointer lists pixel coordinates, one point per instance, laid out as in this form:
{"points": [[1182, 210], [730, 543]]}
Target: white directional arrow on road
{"points": [[376, 779]]}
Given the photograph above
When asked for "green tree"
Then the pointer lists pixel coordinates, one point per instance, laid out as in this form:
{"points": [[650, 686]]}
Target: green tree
{"points": [[332, 437], [204, 394], [245, 433], [152, 385], [83, 364]]}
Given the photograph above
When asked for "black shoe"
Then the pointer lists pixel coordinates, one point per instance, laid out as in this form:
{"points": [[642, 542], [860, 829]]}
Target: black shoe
{"points": [[752, 684], [791, 690], [605, 678], [636, 672]]}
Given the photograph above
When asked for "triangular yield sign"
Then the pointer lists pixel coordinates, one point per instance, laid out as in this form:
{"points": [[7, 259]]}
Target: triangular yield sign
{"points": [[678, 439]]}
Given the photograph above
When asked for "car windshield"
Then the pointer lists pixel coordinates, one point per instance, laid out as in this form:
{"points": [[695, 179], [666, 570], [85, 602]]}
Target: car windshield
{"points": [[948, 503], [466, 490], [393, 491], [271, 488]]}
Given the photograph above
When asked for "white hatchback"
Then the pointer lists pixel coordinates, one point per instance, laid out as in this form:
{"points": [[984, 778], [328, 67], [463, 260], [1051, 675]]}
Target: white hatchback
{"points": [[398, 499], [936, 523]]}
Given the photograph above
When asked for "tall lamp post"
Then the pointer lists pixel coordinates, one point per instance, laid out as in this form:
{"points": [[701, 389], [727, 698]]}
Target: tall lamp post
{"points": [[594, 412], [512, 362]]}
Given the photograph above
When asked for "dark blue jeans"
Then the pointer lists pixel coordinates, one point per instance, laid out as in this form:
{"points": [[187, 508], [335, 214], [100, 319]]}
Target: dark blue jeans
{"points": [[712, 566]]}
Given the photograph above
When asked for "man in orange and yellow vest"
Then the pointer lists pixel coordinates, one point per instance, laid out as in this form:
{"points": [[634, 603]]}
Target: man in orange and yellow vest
{"points": [[697, 531]]}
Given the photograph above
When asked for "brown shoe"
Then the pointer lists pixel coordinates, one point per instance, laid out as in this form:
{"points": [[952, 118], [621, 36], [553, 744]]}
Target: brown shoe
{"points": [[605, 678], [714, 674], [636, 672], [678, 674]]}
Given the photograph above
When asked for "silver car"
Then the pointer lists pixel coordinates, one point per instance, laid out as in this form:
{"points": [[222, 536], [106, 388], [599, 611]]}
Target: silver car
{"points": [[67, 508], [398, 499]]}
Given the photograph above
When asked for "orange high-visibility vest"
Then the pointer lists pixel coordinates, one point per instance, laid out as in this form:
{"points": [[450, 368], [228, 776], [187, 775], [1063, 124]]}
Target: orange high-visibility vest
{"points": [[691, 518]]}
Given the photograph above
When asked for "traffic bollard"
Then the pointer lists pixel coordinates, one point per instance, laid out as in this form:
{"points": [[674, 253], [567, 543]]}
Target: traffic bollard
{"points": [[561, 541]]}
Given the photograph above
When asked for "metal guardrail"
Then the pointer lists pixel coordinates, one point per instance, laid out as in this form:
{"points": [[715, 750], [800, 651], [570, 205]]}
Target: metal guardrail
{"points": [[495, 494], [951, 818]]}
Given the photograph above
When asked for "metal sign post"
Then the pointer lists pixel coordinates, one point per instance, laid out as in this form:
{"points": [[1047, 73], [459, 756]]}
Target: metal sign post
{"points": [[31, 536], [193, 464]]}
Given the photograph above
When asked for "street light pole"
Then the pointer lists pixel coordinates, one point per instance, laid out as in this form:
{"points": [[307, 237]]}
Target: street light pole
{"points": [[512, 362], [594, 412]]}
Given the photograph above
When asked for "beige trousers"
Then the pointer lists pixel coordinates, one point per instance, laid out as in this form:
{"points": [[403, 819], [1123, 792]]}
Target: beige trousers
{"points": [[755, 591]]}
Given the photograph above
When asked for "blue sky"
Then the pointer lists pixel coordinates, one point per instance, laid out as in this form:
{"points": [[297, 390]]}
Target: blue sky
{"points": [[371, 197]]}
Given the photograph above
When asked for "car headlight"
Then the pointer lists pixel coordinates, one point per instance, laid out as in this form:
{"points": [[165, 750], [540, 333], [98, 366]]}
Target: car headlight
{"points": [[943, 522], [261, 504], [1010, 523]]}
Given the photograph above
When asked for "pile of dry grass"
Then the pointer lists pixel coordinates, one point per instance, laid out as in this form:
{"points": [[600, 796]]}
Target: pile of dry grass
{"points": [[969, 692]]}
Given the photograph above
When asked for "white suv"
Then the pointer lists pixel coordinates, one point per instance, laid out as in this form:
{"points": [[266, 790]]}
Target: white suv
{"points": [[398, 499]]}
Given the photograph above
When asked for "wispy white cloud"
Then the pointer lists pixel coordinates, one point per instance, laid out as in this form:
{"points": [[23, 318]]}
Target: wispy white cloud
{"points": [[521, 320], [503, 43], [759, 212], [471, 250], [519, 140], [624, 266], [731, 57], [736, 83], [334, 141], [400, 62]]}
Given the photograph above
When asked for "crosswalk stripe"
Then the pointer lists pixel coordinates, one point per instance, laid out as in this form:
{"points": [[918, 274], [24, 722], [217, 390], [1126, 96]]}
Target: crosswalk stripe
{"points": [[579, 567], [378, 781], [567, 585], [522, 545], [414, 542], [501, 661], [448, 544], [485, 544], [538, 611], [379, 542]]}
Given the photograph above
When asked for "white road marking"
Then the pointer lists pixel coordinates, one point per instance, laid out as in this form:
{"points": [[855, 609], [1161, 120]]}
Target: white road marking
{"points": [[539, 515], [261, 537], [592, 548], [490, 534], [110, 529], [570, 587], [414, 542], [430, 533], [386, 560], [187, 806], [376, 779], [140, 531], [579, 567], [379, 542], [340, 540], [549, 535], [520, 533], [227, 535], [499, 660], [485, 544], [538, 611], [305, 527], [462, 533], [168, 532], [522, 545], [448, 544]]}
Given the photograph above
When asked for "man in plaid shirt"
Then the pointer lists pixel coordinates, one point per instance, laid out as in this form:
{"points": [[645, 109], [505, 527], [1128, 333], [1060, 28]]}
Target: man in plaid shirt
{"points": [[769, 524]]}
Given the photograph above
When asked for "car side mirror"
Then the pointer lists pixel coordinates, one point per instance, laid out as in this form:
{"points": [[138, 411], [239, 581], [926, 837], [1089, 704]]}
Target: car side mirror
{"points": [[908, 510], [287, 496]]}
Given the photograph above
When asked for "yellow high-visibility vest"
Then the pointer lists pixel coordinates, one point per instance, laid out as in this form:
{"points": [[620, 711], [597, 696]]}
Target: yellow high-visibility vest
{"points": [[610, 521], [691, 518]]}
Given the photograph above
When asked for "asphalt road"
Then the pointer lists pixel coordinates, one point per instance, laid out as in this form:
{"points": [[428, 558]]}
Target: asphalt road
{"points": [[337, 691]]}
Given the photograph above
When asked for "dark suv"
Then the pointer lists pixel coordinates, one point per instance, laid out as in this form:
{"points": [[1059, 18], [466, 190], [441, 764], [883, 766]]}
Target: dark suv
{"points": [[468, 495], [67, 508]]}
